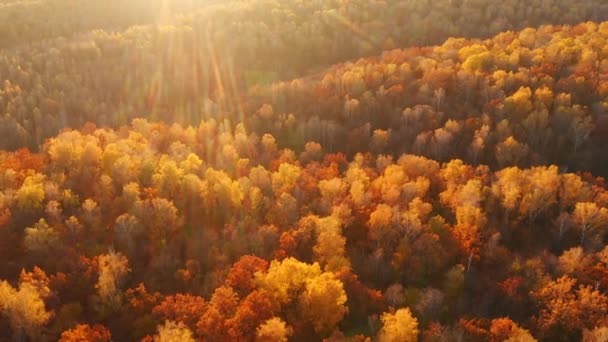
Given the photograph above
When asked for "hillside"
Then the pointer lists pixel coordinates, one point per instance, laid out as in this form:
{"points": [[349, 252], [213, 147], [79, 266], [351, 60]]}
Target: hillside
{"points": [[171, 71], [532, 97]]}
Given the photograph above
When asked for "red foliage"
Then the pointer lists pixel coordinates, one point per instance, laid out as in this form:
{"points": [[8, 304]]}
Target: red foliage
{"points": [[140, 300], [501, 329], [476, 328], [241, 275], [184, 308], [86, 333], [511, 286], [21, 161], [256, 308], [212, 326]]}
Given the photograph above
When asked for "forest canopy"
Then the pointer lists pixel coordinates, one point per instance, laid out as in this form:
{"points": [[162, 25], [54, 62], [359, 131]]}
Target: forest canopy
{"points": [[284, 170]]}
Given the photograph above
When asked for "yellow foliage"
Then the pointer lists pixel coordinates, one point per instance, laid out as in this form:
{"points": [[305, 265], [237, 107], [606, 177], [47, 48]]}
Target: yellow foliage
{"points": [[400, 326], [478, 62], [113, 267], [322, 302], [23, 307], [40, 238], [471, 50], [173, 332], [285, 178], [285, 278], [273, 330], [31, 193]]}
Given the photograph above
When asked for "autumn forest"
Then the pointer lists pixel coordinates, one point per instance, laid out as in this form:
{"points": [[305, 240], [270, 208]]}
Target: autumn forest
{"points": [[303, 170]]}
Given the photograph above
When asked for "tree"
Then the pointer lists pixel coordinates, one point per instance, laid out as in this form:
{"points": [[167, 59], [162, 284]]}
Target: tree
{"points": [[320, 297], [40, 238], [160, 217], [273, 330], [580, 128], [181, 308], [469, 222], [589, 217], [508, 188], [574, 262], [24, 307], [38, 279], [538, 132], [566, 310], [519, 105], [478, 145], [167, 180], [285, 279], [599, 334], [113, 268], [394, 295], [222, 306], [86, 333], [323, 302], [573, 190], [539, 191], [331, 245], [504, 329], [285, 178], [380, 223], [429, 305], [128, 230], [511, 152], [242, 273], [173, 332], [31, 193], [399, 326], [257, 307]]}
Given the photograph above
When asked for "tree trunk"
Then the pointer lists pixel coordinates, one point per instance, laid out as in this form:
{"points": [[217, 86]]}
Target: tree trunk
{"points": [[469, 262]]}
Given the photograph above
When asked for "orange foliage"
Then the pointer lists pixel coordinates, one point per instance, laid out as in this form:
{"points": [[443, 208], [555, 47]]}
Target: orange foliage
{"points": [[184, 308], [241, 275], [86, 333]]}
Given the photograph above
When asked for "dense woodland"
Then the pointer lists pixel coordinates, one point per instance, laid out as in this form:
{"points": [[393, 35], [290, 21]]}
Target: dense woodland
{"points": [[175, 70], [291, 170]]}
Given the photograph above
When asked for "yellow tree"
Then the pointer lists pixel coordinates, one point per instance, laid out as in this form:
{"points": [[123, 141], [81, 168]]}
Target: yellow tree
{"points": [[572, 190], [31, 194], [113, 267], [540, 191], [380, 222], [588, 216], [331, 245], [273, 330], [24, 307], [399, 326], [173, 332], [519, 105], [320, 297], [508, 188], [285, 178], [322, 302], [40, 238], [284, 279]]}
